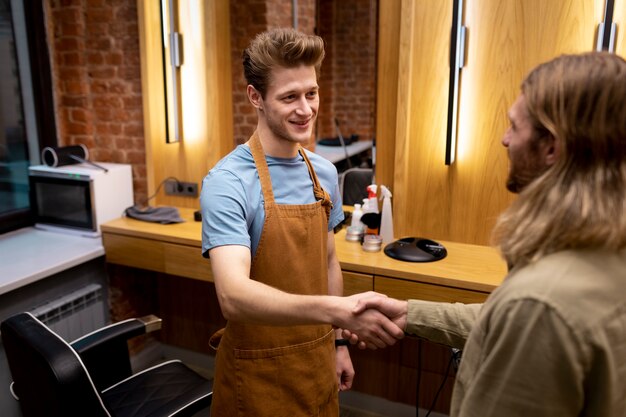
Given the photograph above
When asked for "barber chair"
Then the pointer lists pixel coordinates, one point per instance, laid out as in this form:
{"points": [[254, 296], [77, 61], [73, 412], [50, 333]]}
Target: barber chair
{"points": [[92, 375], [353, 185]]}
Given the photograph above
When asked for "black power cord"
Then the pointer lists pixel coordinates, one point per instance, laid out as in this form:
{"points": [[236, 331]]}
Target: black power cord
{"points": [[419, 378], [443, 382], [455, 360], [178, 184]]}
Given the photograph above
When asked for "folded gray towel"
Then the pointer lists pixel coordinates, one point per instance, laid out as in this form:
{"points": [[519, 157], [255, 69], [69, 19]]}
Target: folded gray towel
{"points": [[163, 215]]}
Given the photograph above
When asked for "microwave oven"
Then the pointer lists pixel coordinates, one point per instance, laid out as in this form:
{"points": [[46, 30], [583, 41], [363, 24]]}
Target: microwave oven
{"points": [[79, 198]]}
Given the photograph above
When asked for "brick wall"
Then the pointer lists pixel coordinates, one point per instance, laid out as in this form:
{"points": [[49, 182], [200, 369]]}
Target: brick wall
{"points": [[348, 82], [94, 48], [247, 18]]}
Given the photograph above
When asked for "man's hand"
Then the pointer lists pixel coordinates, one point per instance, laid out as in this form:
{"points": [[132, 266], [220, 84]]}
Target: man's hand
{"points": [[344, 368], [370, 327], [395, 310]]}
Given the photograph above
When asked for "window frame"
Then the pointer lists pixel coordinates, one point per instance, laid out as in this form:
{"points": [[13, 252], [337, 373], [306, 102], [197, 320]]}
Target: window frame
{"points": [[43, 100]]}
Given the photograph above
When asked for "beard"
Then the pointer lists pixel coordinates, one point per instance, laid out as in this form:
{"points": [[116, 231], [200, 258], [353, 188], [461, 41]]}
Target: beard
{"points": [[524, 169], [517, 181]]}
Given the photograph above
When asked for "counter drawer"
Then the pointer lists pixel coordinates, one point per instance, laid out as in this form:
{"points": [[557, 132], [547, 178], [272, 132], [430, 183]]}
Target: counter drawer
{"points": [[405, 289], [354, 282]]}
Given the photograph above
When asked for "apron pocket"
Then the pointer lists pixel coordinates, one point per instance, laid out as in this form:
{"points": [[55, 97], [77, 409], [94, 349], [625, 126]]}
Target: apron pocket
{"points": [[289, 381]]}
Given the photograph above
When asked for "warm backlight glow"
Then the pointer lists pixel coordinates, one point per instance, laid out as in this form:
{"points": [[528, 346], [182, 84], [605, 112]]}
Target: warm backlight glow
{"points": [[193, 81]]}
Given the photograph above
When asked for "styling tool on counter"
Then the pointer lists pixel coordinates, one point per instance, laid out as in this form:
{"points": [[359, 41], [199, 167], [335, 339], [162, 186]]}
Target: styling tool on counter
{"points": [[68, 155], [415, 249], [386, 220], [357, 213], [372, 243], [371, 222], [355, 233]]}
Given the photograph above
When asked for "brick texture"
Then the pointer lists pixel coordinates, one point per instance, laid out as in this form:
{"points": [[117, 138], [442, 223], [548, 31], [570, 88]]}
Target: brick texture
{"points": [[348, 80], [94, 48]]}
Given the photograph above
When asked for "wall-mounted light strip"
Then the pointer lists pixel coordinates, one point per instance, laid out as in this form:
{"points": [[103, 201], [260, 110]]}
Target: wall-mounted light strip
{"points": [[294, 9], [457, 59], [175, 61], [607, 29]]}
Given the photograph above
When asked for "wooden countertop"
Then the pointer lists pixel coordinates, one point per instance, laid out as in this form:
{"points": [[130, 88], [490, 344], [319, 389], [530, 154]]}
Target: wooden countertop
{"points": [[187, 233], [470, 267]]}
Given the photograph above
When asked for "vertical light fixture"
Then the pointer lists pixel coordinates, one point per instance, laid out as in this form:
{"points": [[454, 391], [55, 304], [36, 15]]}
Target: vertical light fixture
{"points": [[172, 38], [606, 29], [294, 10], [457, 58]]}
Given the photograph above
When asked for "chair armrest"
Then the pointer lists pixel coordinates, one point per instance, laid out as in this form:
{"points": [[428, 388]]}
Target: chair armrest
{"points": [[105, 351], [113, 333]]}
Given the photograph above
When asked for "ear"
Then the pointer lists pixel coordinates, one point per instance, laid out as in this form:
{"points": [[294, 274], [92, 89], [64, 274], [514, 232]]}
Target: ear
{"points": [[552, 150], [255, 97]]}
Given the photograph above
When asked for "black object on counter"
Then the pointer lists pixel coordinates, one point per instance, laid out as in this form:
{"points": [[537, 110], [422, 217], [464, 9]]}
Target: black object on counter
{"points": [[64, 155], [371, 220], [415, 249]]}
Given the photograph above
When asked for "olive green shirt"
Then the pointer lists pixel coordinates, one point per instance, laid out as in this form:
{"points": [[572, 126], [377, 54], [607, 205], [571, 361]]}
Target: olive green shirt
{"points": [[550, 341]]}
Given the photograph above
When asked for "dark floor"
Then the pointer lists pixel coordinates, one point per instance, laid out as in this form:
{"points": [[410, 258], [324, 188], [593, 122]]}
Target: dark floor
{"points": [[352, 404]]}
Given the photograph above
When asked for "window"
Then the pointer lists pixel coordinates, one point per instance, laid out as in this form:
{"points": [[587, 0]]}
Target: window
{"points": [[26, 107]]}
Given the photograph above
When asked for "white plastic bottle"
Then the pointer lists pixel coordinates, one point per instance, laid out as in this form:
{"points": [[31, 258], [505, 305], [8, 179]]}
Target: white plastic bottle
{"points": [[386, 221], [372, 206], [356, 215]]}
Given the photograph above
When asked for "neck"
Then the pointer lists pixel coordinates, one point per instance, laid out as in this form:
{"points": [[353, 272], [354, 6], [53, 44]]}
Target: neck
{"points": [[276, 146]]}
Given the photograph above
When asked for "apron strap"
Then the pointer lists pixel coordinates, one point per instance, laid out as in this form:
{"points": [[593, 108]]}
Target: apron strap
{"points": [[318, 191], [261, 165], [266, 182], [215, 339]]}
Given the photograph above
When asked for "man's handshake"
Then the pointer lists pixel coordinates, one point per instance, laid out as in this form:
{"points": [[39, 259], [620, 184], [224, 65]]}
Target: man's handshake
{"points": [[375, 320]]}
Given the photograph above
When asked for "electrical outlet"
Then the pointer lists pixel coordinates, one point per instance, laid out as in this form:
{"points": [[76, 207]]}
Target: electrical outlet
{"points": [[181, 189]]}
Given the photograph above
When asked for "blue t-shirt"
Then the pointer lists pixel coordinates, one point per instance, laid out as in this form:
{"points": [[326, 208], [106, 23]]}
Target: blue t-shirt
{"points": [[232, 201]]}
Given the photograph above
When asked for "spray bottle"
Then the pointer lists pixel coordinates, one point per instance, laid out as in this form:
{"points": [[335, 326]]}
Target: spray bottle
{"points": [[372, 205], [386, 221]]}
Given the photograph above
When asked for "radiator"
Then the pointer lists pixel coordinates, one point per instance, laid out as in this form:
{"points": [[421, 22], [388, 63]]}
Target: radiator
{"points": [[75, 314]]}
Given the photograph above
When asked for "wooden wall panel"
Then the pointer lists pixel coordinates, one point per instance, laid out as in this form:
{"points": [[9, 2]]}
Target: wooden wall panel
{"points": [[619, 17], [504, 41], [205, 91], [420, 183], [389, 13]]}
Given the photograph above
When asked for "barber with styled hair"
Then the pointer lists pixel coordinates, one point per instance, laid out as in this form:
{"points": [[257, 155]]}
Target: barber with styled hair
{"points": [[268, 210], [551, 339]]}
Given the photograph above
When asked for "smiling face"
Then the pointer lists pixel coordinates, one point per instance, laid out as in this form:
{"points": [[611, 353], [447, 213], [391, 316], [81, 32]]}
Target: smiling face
{"points": [[529, 155], [288, 111]]}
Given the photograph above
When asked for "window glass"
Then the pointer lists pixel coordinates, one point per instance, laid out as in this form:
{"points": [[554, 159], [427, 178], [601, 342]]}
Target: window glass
{"points": [[14, 155], [26, 105]]}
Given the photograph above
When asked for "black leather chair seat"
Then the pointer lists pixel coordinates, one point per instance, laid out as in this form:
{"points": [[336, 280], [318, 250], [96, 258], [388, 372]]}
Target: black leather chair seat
{"points": [[92, 376], [166, 388]]}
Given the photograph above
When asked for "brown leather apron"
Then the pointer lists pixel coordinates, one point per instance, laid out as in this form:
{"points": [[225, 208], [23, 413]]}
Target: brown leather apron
{"points": [[278, 371]]}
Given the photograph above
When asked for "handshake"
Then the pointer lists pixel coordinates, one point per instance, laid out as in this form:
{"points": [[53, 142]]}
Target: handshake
{"points": [[372, 320]]}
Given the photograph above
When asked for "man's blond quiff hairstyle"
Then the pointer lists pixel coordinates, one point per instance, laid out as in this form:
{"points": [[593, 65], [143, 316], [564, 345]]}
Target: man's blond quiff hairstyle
{"points": [[283, 47], [579, 202]]}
